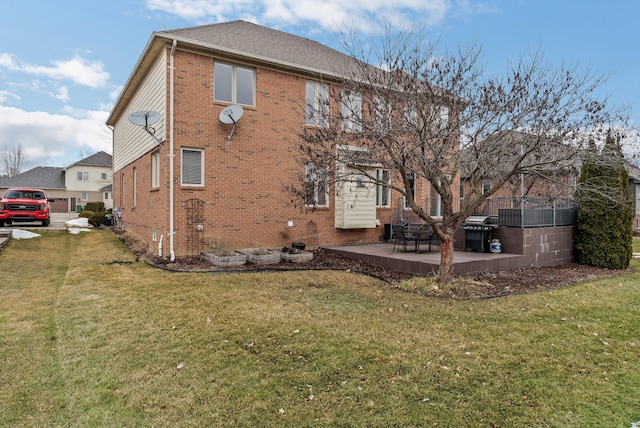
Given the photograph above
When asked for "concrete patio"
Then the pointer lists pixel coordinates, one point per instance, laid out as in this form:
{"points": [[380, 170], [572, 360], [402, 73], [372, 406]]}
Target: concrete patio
{"points": [[428, 263]]}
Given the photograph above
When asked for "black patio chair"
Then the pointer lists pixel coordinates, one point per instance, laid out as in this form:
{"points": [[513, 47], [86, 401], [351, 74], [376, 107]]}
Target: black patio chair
{"points": [[400, 237]]}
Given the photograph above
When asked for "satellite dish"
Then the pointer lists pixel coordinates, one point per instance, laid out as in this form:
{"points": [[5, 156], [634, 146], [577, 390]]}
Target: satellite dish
{"points": [[231, 114], [144, 118]]}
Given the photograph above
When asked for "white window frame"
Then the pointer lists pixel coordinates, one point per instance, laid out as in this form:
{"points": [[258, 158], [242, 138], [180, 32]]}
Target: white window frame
{"points": [[486, 186], [351, 111], [318, 177], [135, 187], [440, 117], [84, 196], [234, 84], [411, 114], [317, 104], [155, 169], [435, 202], [182, 168], [104, 176], [412, 181], [83, 176], [381, 114], [383, 191]]}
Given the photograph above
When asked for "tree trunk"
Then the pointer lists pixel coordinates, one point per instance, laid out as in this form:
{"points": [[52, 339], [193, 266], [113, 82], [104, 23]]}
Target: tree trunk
{"points": [[446, 259]]}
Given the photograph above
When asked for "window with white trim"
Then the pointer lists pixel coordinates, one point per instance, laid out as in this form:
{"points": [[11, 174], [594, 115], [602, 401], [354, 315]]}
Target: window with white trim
{"points": [[486, 186], [411, 115], [381, 114], [435, 202], [84, 196], [317, 110], [351, 111], [192, 172], [103, 176], [234, 83], [412, 185], [155, 170], [440, 117], [135, 187], [383, 179], [83, 176], [316, 186]]}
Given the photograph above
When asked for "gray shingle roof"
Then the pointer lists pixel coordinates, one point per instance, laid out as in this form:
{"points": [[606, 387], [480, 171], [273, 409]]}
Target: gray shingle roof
{"points": [[43, 177], [98, 159], [258, 42]]}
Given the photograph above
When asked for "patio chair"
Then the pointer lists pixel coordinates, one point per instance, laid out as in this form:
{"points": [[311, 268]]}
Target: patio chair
{"points": [[400, 237]]}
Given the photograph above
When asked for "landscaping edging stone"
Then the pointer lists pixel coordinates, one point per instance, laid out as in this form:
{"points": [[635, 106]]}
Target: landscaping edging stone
{"points": [[224, 257], [260, 256]]}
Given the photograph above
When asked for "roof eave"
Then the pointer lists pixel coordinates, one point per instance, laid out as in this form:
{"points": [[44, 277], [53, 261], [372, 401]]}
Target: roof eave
{"points": [[159, 40]]}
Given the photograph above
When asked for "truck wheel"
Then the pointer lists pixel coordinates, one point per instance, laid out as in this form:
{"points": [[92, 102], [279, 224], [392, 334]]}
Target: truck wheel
{"points": [[46, 222]]}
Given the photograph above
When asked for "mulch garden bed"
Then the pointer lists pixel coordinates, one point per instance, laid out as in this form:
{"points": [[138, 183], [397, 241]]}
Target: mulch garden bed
{"points": [[499, 283]]}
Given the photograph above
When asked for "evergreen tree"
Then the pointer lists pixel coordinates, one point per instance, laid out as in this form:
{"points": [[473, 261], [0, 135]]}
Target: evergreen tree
{"points": [[605, 217]]}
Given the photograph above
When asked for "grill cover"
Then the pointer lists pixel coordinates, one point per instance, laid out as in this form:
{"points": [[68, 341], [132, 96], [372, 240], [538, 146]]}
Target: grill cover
{"points": [[478, 219]]}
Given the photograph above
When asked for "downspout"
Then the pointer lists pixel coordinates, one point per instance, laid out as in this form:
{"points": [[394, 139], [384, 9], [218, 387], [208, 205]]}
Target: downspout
{"points": [[171, 177]]}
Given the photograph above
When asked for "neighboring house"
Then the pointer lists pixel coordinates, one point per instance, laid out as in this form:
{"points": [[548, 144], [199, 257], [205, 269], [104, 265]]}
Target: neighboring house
{"points": [[558, 181], [198, 181], [634, 187], [73, 186], [85, 179]]}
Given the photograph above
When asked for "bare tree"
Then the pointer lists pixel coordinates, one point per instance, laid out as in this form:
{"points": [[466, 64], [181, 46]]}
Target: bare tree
{"points": [[13, 160], [426, 114]]}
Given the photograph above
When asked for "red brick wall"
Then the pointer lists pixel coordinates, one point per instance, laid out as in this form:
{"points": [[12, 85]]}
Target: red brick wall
{"points": [[245, 205]]}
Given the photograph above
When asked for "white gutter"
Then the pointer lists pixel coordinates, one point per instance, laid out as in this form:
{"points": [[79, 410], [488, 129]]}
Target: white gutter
{"points": [[171, 178]]}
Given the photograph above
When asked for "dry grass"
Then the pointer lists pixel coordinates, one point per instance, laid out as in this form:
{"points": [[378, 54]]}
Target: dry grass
{"points": [[89, 337]]}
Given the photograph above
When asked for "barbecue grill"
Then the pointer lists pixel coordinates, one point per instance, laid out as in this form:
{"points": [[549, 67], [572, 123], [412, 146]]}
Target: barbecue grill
{"points": [[477, 232]]}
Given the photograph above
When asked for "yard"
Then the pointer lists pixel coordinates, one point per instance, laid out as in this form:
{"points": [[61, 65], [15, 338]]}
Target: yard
{"points": [[91, 337]]}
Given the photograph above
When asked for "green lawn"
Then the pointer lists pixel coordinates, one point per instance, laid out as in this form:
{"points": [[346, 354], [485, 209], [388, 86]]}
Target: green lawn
{"points": [[90, 337]]}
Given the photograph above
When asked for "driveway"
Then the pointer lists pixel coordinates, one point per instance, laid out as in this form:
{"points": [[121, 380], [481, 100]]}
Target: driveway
{"points": [[57, 222]]}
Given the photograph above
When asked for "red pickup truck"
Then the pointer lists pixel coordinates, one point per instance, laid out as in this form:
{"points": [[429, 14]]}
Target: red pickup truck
{"points": [[24, 205]]}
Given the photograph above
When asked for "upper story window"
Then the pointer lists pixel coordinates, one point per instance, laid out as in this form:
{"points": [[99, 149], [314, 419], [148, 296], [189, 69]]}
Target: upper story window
{"points": [[351, 111], [317, 111], [103, 176], [83, 176], [234, 83], [381, 113], [440, 117]]}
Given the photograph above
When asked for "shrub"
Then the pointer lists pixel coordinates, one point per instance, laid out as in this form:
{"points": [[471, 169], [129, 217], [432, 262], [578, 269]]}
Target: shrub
{"points": [[605, 217], [98, 219], [96, 207], [86, 214]]}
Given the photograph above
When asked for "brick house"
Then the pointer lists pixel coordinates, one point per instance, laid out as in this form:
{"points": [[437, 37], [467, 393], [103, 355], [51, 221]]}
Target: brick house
{"points": [[194, 181], [634, 188]]}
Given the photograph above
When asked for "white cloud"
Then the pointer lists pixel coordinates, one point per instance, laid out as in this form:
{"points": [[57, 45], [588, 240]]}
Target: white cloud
{"points": [[77, 70], [5, 95], [55, 139], [366, 15], [62, 94]]}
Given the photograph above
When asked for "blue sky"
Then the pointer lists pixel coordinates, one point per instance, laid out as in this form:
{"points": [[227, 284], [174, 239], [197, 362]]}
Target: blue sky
{"points": [[64, 62]]}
